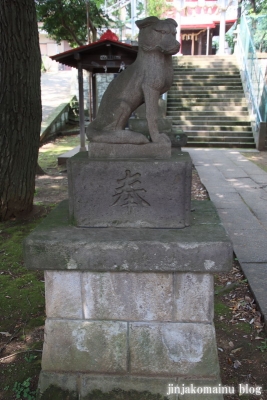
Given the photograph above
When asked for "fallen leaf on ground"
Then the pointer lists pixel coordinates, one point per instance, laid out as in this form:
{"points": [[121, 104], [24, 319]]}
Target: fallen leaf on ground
{"points": [[237, 364]]}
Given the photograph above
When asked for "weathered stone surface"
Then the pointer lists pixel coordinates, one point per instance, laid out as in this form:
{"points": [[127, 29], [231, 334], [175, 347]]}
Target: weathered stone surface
{"points": [[193, 297], [173, 349], [200, 389], [141, 125], [146, 79], [110, 150], [140, 112], [137, 388], [89, 346], [181, 297], [57, 386], [128, 296], [135, 193], [92, 387], [63, 294], [130, 385], [202, 247]]}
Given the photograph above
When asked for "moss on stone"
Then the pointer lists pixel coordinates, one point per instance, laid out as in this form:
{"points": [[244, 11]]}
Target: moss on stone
{"points": [[56, 393], [118, 394]]}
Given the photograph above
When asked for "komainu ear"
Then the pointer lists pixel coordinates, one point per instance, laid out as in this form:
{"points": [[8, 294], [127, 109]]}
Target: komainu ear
{"points": [[142, 23], [172, 21]]}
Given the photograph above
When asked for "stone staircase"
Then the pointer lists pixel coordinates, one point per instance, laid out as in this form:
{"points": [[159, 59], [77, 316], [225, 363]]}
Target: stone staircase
{"points": [[207, 102]]}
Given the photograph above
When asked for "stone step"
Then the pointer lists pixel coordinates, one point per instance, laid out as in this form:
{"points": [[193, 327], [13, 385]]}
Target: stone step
{"points": [[211, 126], [211, 134], [211, 114], [216, 80], [212, 119], [203, 56], [216, 108], [206, 72], [205, 89], [220, 139], [224, 72], [213, 97], [215, 127], [237, 145], [205, 66], [216, 91], [200, 85], [196, 80], [174, 95], [207, 61], [207, 102]]}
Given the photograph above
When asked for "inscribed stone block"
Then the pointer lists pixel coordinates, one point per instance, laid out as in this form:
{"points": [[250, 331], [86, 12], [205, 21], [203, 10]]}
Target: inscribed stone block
{"points": [[135, 193], [63, 294], [173, 349], [193, 297], [128, 296], [85, 346]]}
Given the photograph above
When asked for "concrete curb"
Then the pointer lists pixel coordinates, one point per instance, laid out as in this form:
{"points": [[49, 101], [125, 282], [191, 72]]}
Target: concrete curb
{"points": [[55, 121], [238, 189]]}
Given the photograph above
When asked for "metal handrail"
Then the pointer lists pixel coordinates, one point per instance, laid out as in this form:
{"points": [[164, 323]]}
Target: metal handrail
{"points": [[252, 75]]}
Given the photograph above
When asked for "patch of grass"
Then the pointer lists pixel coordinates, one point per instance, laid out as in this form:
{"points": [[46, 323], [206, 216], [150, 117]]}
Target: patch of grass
{"points": [[19, 377], [21, 290], [221, 309], [23, 390], [263, 346], [48, 153], [22, 306]]}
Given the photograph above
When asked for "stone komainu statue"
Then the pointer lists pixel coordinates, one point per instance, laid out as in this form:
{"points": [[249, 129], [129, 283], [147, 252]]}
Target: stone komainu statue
{"points": [[144, 81]]}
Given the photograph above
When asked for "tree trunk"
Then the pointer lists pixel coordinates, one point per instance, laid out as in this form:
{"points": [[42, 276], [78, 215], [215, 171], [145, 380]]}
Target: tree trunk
{"points": [[20, 99]]}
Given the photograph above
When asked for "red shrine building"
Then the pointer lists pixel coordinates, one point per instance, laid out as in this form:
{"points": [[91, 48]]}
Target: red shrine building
{"points": [[199, 21]]}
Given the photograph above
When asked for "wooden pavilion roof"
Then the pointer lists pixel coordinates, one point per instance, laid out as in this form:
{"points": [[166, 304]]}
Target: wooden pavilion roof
{"points": [[105, 55]]}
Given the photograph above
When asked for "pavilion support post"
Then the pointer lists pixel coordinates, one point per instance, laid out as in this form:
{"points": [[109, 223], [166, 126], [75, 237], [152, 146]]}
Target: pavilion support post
{"points": [[208, 41], [81, 108], [200, 45], [222, 29], [193, 45], [94, 94]]}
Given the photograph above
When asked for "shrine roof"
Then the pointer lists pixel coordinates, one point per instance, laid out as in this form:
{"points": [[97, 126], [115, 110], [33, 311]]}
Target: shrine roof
{"points": [[89, 55]]}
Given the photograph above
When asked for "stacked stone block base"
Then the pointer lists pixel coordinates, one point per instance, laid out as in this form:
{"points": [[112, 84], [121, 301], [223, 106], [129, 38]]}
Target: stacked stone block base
{"points": [[130, 323], [136, 323], [147, 330]]}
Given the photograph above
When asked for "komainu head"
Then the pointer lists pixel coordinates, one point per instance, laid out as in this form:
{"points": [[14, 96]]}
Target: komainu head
{"points": [[156, 34]]}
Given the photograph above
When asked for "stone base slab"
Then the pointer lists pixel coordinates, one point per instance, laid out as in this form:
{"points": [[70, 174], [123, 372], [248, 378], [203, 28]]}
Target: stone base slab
{"points": [[136, 348], [134, 296], [110, 150], [202, 247], [130, 193], [89, 387]]}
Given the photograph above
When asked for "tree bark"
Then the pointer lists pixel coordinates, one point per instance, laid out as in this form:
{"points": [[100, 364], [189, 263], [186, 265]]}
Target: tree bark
{"points": [[20, 111]]}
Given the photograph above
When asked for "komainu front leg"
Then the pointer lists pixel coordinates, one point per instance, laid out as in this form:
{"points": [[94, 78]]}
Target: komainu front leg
{"points": [[151, 100]]}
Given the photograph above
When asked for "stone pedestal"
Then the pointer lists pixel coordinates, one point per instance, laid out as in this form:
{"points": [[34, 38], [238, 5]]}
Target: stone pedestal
{"points": [[136, 192], [129, 311]]}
